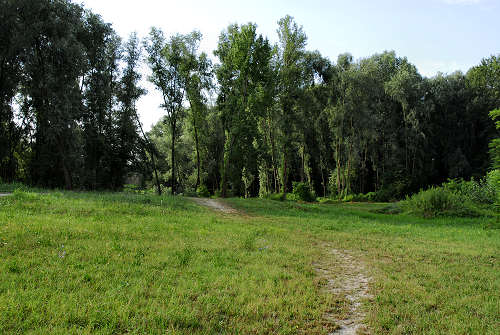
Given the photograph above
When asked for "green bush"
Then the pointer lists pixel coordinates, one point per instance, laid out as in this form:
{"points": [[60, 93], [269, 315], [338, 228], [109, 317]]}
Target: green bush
{"points": [[371, 196], [439, 201], [131, 188], [11, 187], [478, 192], [368, 197], [202, 191], [493, 180], [302, 191], [348, 198]]}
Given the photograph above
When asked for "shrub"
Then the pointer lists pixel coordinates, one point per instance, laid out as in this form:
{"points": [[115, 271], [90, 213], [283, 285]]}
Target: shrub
{"points": [[131, 188], [493, 180], [302, 191], [348, 198], [371, 196], [438, 201], [202, 191], [368, 197], [478, 192], [11, 187]]}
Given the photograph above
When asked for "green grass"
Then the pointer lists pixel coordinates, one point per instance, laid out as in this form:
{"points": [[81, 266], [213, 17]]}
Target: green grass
{"points": [[103, 263]]}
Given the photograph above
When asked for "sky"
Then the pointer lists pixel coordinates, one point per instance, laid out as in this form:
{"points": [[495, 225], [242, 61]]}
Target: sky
{"points": [[435, 35]]}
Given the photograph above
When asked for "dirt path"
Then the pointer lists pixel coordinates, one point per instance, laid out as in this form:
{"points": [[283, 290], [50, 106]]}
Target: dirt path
{"points": [[344, 275], [216, 205], [347, 280]]}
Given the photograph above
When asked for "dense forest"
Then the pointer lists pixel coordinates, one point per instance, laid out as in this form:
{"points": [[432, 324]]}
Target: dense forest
{"points": [[249, 121]]}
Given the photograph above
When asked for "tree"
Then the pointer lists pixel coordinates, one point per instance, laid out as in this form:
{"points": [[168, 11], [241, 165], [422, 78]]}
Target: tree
{"points": [[127, 118], [52, 74], [483, 83], [169, 62], [197, 75], [99, 90], [244, 66], [291, 52], [12, 51]]}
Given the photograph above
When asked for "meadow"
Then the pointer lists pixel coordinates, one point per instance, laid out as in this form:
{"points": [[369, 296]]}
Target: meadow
{"points": [[117, 263]]}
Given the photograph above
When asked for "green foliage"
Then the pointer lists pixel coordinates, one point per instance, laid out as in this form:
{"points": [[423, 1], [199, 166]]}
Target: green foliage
{"points": [[475, 191], [131, 188], [202, 191], [243, 73], [368, 197], [493, 179], [247, 179], [348, 198], [68, 118], [439, 201], [494, 175], [11, 187], [302, 191]]}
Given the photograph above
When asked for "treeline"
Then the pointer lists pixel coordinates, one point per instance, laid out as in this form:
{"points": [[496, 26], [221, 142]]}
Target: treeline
{"points": [[283, 114], [260, 118], [68, 87]]}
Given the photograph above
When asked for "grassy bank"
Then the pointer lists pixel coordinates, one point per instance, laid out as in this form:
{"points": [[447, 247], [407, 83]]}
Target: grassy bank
{"points": [[82, 263]]}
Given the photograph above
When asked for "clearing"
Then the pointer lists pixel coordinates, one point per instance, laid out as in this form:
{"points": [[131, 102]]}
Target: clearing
{"points": [[104, 263]]}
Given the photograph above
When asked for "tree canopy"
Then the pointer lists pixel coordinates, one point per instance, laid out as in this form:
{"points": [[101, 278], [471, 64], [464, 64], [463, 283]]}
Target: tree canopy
{"points": [[250, 122]]}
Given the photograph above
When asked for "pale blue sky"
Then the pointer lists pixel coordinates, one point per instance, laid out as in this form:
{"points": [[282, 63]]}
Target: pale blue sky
{"points": [[435, 35]]}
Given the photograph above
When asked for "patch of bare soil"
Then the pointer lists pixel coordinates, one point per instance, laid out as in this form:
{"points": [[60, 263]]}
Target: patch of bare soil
{"points": [[216, 205], [344, 277]]}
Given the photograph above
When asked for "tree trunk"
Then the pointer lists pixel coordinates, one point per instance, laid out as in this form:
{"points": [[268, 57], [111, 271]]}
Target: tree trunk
{"points": [[338, 166], [152, 153], [273, 157], [323, 180], [228, 148], [285, 172], [302, 172], [172, 123], [197, 154], [158, 186], [67, 175]]}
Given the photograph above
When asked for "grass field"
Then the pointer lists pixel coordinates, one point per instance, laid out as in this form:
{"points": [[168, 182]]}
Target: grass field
{"points": [[91, 263]]}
